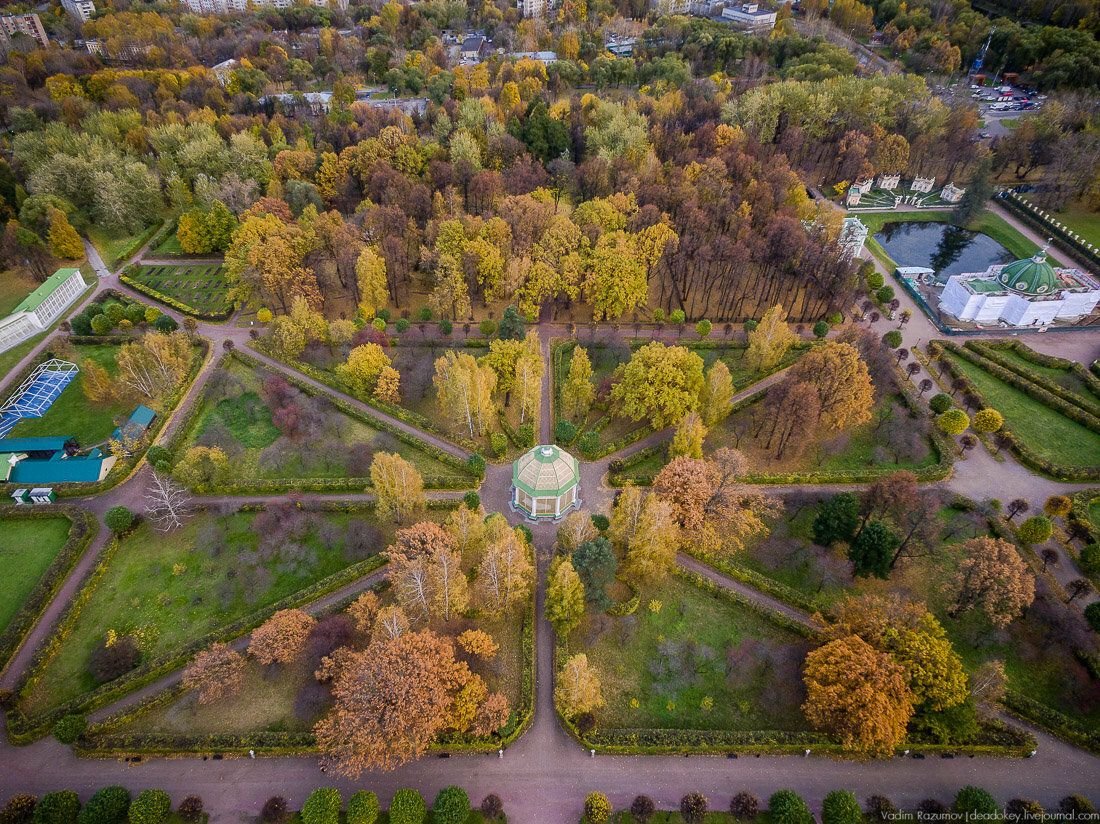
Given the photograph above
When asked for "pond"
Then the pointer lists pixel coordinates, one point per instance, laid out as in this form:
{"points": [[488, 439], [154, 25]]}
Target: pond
{"points": [[942, 247]]}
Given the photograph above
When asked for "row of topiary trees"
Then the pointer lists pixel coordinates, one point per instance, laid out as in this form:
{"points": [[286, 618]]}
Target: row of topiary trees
{"points": [[324, 805], [114, 805], [838, 807], [110, 805]]}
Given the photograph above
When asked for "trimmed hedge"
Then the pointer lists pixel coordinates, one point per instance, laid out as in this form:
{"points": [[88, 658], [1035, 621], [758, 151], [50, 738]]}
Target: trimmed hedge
{"points": [[1052, 721], [83, 530], [1044, 223], [991, 350], [23, 728], [1019, 447], [172, 302], [1026, 384]]}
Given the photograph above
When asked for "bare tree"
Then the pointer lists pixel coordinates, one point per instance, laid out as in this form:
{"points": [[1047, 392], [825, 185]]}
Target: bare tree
{"points": [[167, 503], [1077, 588], [1049, 558]]}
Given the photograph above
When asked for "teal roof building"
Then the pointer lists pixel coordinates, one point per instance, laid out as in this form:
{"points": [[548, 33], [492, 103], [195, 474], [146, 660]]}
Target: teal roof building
{"points": [[545, 482]]}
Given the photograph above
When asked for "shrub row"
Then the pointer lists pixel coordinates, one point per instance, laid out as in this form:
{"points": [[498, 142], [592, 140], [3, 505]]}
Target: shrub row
{"points": [[82, 532], [274, 486], [328, 379], [353, 411], [1027, 385], [992, 351], [136, 244], [1052, 721], [1045, 223], [1019, 446], [125, 467], [172, 302], [757, 580], [22, 728]]}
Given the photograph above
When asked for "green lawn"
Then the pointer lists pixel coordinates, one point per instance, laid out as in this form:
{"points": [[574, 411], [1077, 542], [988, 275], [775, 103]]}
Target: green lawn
{"points": [[201, 286], [658, 667], [72, 413], [1082, 220], [164, 590], [15, 284], [1051, 434], [114, 248], [235, 418], [26, 552], [1063, 377]]}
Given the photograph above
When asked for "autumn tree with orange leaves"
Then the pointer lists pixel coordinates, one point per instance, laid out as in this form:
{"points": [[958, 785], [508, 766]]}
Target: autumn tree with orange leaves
{"points": [[993, 579], [394, 698], [215, 673], [282, 637], [857, 694], [715, 512]]}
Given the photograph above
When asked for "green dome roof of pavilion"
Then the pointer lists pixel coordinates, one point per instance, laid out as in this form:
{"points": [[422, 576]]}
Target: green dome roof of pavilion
{"points": [[545, 470], [1031, 276]]}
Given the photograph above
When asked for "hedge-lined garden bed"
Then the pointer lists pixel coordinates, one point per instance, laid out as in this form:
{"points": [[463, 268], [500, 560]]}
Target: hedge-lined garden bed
{"points": [[28, 595], [234, 413], [1045, 431], [57, 683], [198, 289]]}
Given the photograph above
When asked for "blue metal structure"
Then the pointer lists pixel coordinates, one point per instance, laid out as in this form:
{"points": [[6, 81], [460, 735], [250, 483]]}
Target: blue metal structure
{"points": [[37, 393]]}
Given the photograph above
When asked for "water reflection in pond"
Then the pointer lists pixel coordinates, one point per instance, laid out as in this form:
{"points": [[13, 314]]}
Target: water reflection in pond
{"points": [[942, 247]]}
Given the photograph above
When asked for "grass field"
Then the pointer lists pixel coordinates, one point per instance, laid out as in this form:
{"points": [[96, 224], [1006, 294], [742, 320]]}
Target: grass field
{"points": [[657, 668], [26, 552], [72, 413], [15, 284], [235, 417], [201, 286], [1063, 377], [113, 249], [164, 590], [1051, 434]]}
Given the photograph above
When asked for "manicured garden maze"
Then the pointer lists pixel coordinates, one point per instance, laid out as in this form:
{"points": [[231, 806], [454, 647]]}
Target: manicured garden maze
{"points": [[201, 286]]}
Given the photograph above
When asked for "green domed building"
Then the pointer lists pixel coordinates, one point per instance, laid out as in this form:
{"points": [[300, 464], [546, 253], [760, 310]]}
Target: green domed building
{"points": [[546, 482], [1030, 276], [1026, 292]]}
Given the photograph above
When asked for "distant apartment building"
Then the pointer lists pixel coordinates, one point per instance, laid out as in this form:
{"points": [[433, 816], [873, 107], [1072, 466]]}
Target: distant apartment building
{"points": [[26, 24], [81, 10], [672, 6], [536, 8], [750, 17], [241, 6]]}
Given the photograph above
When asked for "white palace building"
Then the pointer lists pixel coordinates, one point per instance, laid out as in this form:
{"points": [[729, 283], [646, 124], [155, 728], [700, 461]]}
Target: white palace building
{"points": [[1027, 292]]}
